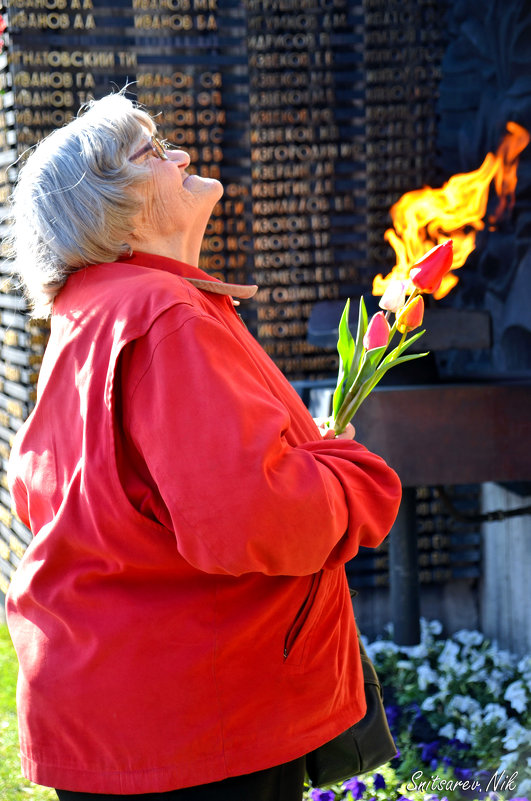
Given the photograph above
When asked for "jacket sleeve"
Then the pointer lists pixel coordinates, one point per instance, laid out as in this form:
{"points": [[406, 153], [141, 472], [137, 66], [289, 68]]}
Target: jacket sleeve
{"points": [[17, 488], [240, 498]]}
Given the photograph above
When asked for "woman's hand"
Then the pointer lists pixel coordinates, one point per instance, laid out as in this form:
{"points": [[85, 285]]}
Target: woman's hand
{"points": [[323, 425]]}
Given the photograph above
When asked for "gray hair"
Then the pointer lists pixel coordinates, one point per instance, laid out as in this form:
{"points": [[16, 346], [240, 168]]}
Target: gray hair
{"points": [[75, 197]]}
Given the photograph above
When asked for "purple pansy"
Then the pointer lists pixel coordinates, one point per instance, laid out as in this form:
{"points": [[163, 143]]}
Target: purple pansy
{"points": [[429, 753], [379, 781], [355, 786], [322, 795], [393, 714]]}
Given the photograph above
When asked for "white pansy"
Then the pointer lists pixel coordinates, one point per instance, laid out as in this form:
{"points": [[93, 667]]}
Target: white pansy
{"points": [[435, 627], [526, 678], [515, 736], [524, 789], [425, 633], [494, 713], [430, 703], [505, 661], [426, 676], [429, 629], [448, 655], [480, 676], [459, 667], [494, 682], [477, 663], [381, 647], [416, 651], [463, 735], [466, 637], [476, 720], [517, 696], [463, 704], [404, 664], [509, 762], [524, 665], [448, 730]]}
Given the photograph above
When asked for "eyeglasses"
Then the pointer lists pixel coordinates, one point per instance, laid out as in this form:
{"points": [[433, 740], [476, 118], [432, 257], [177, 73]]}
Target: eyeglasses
{"points": [[154, 146]]}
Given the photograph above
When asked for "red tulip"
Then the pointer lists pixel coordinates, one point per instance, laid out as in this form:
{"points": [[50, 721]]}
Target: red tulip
{"points": [[411, 315], [428, 273], [377, 333]]}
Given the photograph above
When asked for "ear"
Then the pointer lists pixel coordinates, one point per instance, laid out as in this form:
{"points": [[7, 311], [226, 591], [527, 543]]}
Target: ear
{"points": [[127, 251], [139, 226]]}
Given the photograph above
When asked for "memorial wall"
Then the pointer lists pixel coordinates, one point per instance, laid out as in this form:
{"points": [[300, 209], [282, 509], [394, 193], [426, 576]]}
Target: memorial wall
{"points": [[316, 115]]}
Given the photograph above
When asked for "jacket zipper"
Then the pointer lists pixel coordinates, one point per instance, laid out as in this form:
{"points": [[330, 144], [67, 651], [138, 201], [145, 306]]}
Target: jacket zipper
{"points": [[302, 615]]}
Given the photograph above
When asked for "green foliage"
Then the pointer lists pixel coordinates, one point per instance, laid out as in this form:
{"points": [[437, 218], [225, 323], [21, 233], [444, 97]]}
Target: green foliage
{"points": [[349, 351], [13, 787]]}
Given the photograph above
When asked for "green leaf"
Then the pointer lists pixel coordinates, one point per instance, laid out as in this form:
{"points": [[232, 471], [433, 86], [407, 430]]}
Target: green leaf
{"points": [[368, 365], [363, 388], [384, 367], [407, 358], [372, 358], [363, 322], [351, 353], [402, 346], [345, 348]]}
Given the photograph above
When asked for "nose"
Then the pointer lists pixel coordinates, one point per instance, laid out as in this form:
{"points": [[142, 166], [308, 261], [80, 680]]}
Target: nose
{"points": [[180, 156]]}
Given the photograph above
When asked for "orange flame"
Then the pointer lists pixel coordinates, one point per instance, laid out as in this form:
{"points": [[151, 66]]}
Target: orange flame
{"points": [[426, 217]]}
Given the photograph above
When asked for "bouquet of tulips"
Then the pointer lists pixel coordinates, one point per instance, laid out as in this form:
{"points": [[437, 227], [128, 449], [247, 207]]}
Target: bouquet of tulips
{"points": [[365, 360]]}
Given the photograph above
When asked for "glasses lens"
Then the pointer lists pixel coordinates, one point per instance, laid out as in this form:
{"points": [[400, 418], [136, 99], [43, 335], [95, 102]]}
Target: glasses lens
{"points": [[158, 148]]}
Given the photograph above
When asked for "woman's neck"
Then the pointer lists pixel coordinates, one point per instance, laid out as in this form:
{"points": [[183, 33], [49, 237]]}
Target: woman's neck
{"points": [[177, 247]]}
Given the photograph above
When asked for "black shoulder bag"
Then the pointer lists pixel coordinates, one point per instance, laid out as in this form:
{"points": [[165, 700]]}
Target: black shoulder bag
{"points": [[363, 747]]}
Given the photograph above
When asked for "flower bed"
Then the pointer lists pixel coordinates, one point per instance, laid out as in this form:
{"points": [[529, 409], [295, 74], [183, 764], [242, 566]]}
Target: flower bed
{"points": [[460, 712]]}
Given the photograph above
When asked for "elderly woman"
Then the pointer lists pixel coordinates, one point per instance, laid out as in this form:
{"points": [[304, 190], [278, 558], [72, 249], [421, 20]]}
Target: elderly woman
{"points": [[181, 618]]}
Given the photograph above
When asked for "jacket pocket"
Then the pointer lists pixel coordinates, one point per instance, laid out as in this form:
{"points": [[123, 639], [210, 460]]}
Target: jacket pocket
{"points": [[300, 621]]}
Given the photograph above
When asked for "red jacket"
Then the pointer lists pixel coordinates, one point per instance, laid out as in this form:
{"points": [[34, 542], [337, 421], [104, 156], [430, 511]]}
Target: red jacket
{"points": [[182, 613]]}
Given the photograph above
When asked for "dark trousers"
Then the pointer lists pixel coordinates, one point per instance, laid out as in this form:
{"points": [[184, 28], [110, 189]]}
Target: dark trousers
{"points": [[281, 783]]}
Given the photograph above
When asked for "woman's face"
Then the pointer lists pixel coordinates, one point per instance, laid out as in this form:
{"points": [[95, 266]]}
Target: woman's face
{"points": [[175, 201]]}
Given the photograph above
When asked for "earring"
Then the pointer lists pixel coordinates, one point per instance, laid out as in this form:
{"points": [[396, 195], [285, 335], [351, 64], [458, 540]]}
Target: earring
{"points": [[127, 251]]}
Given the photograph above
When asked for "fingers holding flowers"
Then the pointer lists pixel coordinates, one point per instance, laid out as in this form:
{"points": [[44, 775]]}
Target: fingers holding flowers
{"points": [[325, 426]]}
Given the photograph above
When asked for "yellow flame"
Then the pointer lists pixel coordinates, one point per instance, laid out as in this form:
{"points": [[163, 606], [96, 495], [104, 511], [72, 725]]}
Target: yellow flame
{"points": [[426, 217]]}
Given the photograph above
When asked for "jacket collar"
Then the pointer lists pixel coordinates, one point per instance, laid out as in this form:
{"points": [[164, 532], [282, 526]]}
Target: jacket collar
{"points": [[193, 275]]}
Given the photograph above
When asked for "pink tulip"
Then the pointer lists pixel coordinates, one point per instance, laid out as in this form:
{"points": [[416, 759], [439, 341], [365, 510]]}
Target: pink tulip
{"points": [[411, 315], [428, 273], [377, 333], [394, 296]]}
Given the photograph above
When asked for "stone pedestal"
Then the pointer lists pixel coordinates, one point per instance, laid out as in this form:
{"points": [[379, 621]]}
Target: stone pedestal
{"points": [[505, 595]]}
